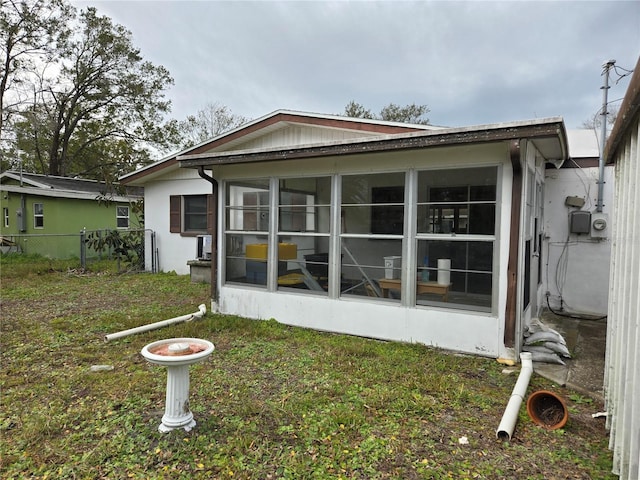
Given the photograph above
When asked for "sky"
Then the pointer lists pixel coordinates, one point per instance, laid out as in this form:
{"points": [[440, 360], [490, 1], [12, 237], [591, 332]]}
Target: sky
{"points": [[470, 62]]}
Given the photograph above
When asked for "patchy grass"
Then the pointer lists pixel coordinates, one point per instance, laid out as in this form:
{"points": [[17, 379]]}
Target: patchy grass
{"points": [[271, 402]]}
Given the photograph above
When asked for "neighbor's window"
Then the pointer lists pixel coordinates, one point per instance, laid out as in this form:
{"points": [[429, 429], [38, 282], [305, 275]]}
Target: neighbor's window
{"points": [[122, 216], [38, 215], [191, 214], [372, 228], [5, 215], [456, 223]]}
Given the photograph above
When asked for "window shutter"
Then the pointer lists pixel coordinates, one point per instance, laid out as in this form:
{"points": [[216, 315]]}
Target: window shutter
{"points": [[211, 214], [175, 213]]}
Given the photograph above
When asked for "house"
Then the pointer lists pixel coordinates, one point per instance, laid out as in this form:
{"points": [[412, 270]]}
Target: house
{"points": [[35, 205], [391, 231], [622, 361]]}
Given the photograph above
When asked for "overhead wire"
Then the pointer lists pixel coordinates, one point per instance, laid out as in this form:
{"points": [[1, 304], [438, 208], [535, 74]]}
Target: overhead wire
{"points": [[621, 76], [561, 269], [560, 280], [586, 186]]}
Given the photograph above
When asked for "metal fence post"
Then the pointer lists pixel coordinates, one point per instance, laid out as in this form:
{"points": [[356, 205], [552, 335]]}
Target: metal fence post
{"points": [[154, 266], [83, 249]]}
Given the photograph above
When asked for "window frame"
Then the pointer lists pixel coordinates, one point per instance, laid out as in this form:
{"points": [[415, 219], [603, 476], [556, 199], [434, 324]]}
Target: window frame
{"points": [[192, 213], [379, 202], [306, 214], [245, 225], [480, 300], [120, 217], [177, 215], [468, 238], [38, 215]]}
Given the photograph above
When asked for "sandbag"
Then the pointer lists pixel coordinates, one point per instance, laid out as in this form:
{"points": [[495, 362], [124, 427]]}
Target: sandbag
{"points": [[546, 358], [544, 336], [558, 348]]}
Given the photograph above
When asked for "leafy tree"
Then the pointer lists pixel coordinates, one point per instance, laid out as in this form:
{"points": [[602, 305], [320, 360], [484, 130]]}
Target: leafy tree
{"points": [[208, 122], [393, 113], [125, 245], [29, 30], [409, 114], [100, 113], [355, 110]]}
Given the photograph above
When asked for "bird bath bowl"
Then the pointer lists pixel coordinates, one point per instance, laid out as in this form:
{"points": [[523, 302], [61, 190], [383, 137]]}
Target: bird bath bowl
{"points": [[177, 354]]}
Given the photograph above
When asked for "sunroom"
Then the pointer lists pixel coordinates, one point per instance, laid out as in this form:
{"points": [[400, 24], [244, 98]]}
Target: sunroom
{"points": [[450, 235], [402, 237]]}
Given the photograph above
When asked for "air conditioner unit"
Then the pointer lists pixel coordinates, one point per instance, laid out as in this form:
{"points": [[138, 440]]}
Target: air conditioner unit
{"points": [[203, 251]]}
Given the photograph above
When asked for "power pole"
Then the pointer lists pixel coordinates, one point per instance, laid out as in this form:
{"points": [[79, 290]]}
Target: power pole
{"points": [[603, 132]]}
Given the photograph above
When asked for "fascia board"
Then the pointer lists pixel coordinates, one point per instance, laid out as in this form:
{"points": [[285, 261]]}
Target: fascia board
{"points": [[550, 127], [62, 194]]}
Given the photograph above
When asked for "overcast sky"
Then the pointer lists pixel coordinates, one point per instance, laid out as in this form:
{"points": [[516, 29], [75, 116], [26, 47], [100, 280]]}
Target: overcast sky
{"points": [[470, 62]]}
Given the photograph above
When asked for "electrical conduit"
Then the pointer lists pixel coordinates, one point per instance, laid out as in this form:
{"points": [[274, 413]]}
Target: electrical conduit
{"points": [[202, 309], [510, 416]]}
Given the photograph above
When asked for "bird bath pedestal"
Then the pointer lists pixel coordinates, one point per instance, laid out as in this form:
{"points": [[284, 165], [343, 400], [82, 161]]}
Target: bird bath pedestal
{"points": [[177, 354]]}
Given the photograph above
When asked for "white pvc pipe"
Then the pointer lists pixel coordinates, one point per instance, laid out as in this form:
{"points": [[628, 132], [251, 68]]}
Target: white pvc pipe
{"points": [[202, 309], [510, 416]]}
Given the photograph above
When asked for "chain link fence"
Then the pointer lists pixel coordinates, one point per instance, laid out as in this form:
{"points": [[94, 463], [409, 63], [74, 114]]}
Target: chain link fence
{"points": [[87, 246]]}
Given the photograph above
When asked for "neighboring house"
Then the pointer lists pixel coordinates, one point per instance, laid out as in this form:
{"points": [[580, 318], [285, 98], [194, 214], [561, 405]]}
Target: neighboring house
{"points": [[35, 205], [391, 231], [622, 364]]}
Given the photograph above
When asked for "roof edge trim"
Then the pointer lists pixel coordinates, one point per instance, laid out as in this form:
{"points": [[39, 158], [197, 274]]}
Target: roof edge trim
{"points": [[553, 126], [628, 110]]}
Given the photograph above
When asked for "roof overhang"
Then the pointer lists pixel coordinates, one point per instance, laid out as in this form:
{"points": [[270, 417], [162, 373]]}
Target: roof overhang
{"points": [[628, 111], [268, 124], [49, 192], [25, 180], [548, 135]]}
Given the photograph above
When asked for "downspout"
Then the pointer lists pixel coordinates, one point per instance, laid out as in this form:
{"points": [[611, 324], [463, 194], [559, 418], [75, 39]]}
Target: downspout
{"points": [[214, 239], [511, 310], [153, 326], [510, 416]]}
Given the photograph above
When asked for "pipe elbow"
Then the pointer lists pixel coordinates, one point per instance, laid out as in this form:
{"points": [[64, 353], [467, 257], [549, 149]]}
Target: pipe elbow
{"points": [[526, 361]]}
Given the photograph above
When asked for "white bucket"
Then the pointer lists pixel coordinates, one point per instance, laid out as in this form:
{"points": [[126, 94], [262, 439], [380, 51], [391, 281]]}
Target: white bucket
{"points": [[444, 271]]}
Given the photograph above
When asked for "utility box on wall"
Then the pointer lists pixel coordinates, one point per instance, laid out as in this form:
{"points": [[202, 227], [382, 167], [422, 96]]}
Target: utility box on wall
{"points": [[580, 222], [599, 225]]}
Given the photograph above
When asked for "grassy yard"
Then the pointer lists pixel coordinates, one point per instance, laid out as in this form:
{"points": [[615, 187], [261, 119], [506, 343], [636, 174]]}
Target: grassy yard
{"points": [[271, 402]]}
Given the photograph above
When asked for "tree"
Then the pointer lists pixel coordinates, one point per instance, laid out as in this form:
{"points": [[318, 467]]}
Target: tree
{"points": [[393, 113], [208, 122], [408, 114], [595, 122], [355, 110], [100, 113], [29, 30]]}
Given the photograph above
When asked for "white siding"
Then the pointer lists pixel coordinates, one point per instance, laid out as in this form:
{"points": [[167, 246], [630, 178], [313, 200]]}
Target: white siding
{"points": [[301, 135], [174, 250], [586, 275], [622, 374]]}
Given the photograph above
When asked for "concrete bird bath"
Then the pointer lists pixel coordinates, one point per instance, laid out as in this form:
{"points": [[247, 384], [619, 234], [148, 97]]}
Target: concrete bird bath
{"points": [[177, 354]]}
